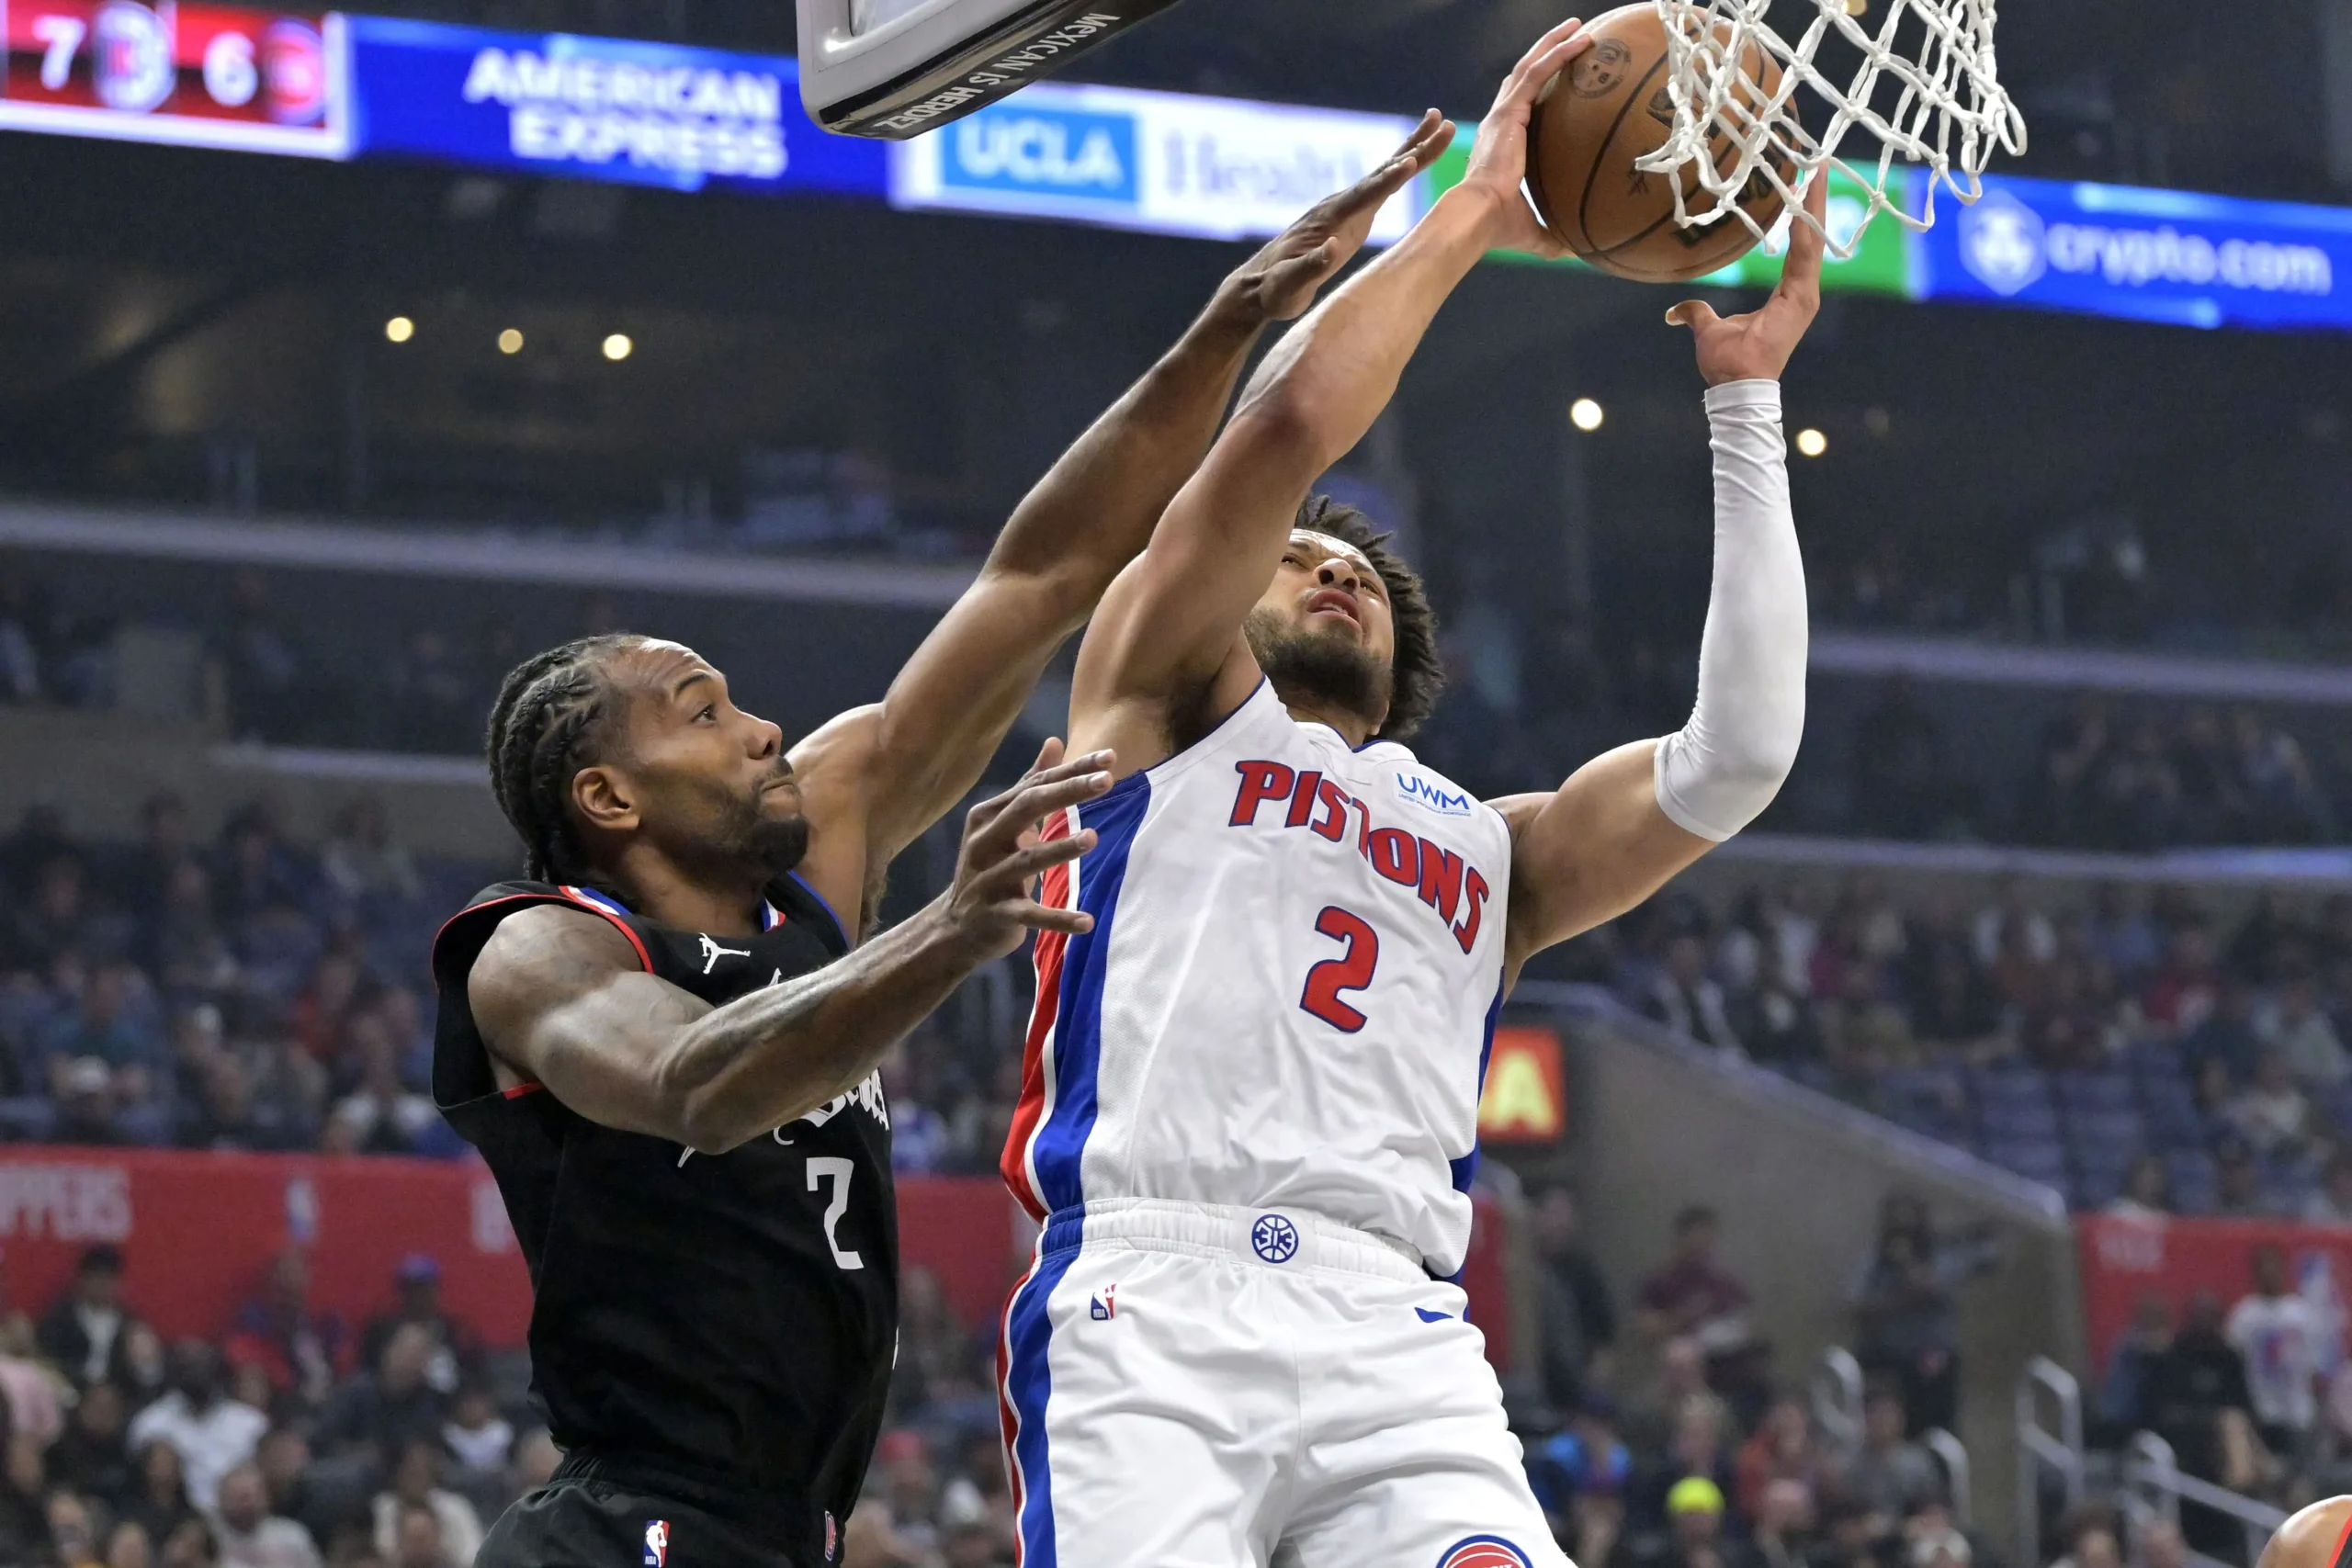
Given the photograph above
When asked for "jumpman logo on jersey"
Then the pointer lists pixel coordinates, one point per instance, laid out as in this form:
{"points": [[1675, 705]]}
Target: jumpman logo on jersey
{"points": [[712, 952]]}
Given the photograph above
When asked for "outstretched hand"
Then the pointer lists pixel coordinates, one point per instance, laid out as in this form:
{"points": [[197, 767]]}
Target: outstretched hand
{"points": [[1756, 346], [1279, 282], [1499, 163], [991, 903]]}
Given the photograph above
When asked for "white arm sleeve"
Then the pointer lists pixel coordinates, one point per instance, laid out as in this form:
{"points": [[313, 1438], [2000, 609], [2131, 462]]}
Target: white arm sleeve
{"points": [[1723, 767]]}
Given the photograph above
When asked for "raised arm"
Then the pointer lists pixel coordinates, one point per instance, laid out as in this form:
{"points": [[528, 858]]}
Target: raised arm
{"points": [[1628, 820], [562, 1001], [1166, 643], [913, 756]]}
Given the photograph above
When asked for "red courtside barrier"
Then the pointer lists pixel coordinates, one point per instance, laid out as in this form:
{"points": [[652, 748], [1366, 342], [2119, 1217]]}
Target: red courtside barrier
{"points": [[2124, 1259], [198, 1231]]}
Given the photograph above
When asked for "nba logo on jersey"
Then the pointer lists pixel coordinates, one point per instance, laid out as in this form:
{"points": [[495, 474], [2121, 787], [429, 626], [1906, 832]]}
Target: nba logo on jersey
{"points": [[657, 1543], [1483, 1551]]}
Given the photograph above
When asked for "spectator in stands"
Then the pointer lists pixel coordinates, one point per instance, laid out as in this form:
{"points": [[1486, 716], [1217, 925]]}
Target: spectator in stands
{"points": [[2297, 1028], [1889, 1474], [1904, 784], [1682, 1382], [2092, 1546], [416, 1286], [417, 1541], [414, 1484], [258, 873], [142, 1367], [2122, 1404], [186, 951], [1782, 1527], [2238, 1182], [1587, 1456], [435, 702], [56, 921], [481, 1441], [1694, 1511], [261, 667], [25, 622], [90, 1455], [1784, 1448], [361, 860], [2271, 1113], [24, 1480], [2057, 803], [2332, 1204], [2283, 792], [2197, 1382], [113, 1025], [1956, 1009], [2182, 992], [291, 1489], [299, 1346], [78, 1331], [2226, 1035], [391, 1402], [2277, 1334], [211, 1433], [252, 1537], [1684, 998], [158, 1498], [1697, 1449], [2147, 1190], [73, 1532], [1903, 1306], [381, 1115], [1694, 1295], [142, 878], [1578, 1314]]}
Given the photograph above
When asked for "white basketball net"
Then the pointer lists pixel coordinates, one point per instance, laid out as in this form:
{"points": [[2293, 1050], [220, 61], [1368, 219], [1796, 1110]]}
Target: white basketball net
{"points": [[1926, 86]]}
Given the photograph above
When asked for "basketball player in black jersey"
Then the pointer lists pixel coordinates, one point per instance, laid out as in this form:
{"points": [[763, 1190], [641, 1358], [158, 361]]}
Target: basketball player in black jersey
{"points": [[664, 1040]]}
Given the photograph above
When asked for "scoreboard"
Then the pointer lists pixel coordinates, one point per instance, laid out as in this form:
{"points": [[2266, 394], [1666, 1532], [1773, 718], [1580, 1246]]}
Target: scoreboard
{"points": [[186, 74]]}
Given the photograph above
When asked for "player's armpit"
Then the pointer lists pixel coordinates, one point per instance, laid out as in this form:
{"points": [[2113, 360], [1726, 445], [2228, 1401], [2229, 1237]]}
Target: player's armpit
{"points": [[1589, 851], [563, 1000]]}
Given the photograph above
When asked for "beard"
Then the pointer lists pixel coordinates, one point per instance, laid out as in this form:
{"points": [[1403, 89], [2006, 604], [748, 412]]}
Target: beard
{"points": [[1318, 668], [749, 839]]}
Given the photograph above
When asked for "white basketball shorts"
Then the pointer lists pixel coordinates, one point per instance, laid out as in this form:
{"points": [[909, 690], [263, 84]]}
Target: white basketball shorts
{"points": [[1187, 1386]]}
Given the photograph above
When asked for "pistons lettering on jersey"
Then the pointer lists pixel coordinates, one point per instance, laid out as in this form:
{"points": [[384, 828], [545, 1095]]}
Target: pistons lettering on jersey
{"points": [[1307, 799]]}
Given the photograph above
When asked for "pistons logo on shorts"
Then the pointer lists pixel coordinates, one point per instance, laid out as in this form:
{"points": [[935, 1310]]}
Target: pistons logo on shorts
{"points": [[1483, 1551], [657, 1543]]}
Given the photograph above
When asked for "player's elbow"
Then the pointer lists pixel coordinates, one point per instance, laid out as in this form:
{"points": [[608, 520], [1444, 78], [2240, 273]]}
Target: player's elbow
{"points": [[1284, 424]]}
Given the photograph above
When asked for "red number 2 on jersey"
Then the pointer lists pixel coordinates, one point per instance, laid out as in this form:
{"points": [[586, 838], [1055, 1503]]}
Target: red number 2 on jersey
{"points": [[1349, 972]]}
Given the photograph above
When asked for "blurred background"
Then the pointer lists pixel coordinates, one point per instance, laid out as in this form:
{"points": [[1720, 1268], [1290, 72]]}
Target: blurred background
{"points": [[1952, 1170]]}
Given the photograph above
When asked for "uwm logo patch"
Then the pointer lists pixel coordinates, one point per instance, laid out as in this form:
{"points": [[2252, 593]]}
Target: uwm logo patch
{"points": [[1424, 791]]}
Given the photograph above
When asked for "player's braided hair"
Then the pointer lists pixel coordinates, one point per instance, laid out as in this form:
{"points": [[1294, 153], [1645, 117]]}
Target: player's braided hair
{"points": [[552, 710], [1420, 670]]}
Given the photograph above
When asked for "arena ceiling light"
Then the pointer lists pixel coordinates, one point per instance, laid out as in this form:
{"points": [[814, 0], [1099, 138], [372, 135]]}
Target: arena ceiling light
{"points": [[1812, 443], [1587, 414], [618, 347], [896, 68], [400, 329]]}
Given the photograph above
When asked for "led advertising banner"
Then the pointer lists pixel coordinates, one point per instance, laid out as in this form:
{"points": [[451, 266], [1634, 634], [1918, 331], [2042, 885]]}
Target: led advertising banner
{"points": [[652, 114], [179, 73], [2156, 256], [1164, 163]]}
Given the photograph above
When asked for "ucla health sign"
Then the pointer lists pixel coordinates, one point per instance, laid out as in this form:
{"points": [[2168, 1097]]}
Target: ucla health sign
{"points": [[602, 108], [2157, 255], [1166, 163]]}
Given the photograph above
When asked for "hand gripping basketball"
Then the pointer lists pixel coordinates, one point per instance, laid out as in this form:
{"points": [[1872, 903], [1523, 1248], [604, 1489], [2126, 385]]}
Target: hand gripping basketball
{"points": [[1279, 282], [1499, 162], [990, 904], [1756, 346]]}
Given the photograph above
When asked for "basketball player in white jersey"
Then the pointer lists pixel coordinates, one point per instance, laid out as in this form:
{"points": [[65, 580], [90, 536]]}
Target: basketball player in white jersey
{"points": [[1249, 1118]]}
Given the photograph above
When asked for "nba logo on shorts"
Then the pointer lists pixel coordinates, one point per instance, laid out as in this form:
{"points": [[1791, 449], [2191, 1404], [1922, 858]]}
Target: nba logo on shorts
{"points": [[1483, 1551], [657, 1543]]}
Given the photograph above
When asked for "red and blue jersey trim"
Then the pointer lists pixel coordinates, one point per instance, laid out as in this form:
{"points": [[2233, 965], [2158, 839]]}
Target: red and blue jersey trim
{"points": [[1064, 1050]]}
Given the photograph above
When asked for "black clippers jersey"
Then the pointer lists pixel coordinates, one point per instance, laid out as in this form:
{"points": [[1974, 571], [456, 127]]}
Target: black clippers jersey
{"points": [[720, 1330]]}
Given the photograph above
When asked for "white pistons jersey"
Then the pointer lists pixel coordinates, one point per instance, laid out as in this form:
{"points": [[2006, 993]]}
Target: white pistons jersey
{"points": [[1288, 994]]}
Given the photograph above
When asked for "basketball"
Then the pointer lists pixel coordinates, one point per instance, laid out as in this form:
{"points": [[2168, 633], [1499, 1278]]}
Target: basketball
{"points": [[2312, 1539], [1608, 108]]}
